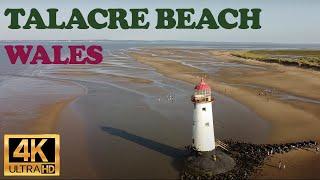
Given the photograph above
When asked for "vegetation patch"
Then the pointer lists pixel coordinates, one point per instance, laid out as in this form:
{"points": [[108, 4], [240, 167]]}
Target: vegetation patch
{"points": [[301, 58]]}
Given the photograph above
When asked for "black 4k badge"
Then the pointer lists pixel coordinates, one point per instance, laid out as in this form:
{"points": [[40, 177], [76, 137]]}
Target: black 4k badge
{"points": [[32, 155]]}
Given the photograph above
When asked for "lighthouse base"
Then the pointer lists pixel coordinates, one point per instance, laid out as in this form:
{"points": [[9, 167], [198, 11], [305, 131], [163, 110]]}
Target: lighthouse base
{"points": [[207, 164]]}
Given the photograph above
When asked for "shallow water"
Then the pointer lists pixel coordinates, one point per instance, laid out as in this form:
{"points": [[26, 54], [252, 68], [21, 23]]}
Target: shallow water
{"points": [[136, 128], [131, 126]]}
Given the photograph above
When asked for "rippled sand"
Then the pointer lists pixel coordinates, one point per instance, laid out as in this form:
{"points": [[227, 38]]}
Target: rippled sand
{"points": [[118, 117]]}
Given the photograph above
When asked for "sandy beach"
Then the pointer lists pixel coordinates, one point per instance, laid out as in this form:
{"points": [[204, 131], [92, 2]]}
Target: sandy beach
{"points": [[260, 88], [118, 115], [235, 82]]}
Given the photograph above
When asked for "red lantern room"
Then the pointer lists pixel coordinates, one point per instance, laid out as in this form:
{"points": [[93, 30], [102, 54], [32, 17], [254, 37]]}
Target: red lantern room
{"points": [[202, 93]]}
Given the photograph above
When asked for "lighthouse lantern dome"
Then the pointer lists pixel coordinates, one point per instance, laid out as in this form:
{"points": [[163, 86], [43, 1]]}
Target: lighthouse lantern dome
{"points": [[202, 92]]}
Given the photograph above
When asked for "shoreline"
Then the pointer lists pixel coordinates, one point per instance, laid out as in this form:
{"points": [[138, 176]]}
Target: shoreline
{"points": [[38, 107], [76, 117], [48, 118], [281, 111], [41, 116], [285, 117]]}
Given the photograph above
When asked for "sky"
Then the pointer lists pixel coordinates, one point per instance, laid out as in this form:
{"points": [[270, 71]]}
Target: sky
{"points": [[282, 21]]}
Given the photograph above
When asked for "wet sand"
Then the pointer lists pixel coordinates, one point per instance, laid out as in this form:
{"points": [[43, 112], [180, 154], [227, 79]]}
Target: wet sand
{"points": [[33, 105], [247, 83], [149, 134], [27, 99], [118, 117], [299, 164], [236, 82], [47, 121], [137, 132]]}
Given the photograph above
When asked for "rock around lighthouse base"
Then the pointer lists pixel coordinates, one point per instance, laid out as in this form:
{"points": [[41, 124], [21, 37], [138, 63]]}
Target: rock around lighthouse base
{"points": [[207, 164]]}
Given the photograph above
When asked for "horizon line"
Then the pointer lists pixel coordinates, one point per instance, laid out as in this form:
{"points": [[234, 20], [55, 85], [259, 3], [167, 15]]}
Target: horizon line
{"points": [[193, 41]]}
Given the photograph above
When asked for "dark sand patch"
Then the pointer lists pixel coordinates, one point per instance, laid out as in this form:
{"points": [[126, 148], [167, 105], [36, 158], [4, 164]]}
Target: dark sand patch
{"points": [[102, 75]]}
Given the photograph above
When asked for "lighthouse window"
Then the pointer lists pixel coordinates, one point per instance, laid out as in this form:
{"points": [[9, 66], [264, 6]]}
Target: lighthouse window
{"points": [[203, 109], [207, 124]]}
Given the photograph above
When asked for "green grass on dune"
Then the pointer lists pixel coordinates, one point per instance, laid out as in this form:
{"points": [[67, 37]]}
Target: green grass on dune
{"points": [[301, 58], [288, 52]]}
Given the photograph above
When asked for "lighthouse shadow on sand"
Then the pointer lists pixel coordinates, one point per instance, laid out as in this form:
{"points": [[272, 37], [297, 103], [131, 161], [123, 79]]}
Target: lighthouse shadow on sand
{"points": [[176, 154]]}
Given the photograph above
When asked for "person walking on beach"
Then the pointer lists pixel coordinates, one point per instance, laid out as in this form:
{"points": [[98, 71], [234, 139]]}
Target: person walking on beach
{"points": [[280, 164]]}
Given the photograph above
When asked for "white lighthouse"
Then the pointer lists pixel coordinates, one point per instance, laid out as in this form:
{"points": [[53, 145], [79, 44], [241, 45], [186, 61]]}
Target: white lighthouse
{"points": [[203, 131]]}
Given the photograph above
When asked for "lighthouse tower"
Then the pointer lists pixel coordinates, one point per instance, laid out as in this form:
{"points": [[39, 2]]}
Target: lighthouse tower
{"points": [[203, 132]]}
